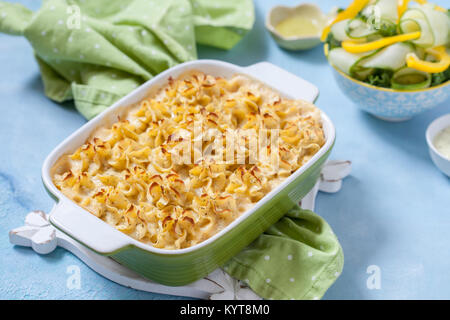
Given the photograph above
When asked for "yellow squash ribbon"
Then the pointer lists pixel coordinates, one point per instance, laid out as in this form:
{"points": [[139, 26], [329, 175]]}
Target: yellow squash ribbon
{"points": [[358, 47], [441, 65]]}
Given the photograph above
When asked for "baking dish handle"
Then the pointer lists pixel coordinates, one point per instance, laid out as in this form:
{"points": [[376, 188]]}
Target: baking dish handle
{"points": [[283, 81], [87, 228]]}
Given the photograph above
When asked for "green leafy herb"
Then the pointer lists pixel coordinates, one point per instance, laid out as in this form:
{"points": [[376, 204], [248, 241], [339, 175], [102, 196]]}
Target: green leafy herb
{"points": [[441, 77], [332, 42], [380, 78], [387, 29]]}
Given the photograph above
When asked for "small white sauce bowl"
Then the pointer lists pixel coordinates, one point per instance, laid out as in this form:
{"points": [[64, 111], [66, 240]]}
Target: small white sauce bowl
{"points": [[279, 13], [433, 129]]}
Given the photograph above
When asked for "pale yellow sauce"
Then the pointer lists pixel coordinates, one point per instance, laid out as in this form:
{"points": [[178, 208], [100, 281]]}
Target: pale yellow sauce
{"points": [[298, 25], [442, 142]]}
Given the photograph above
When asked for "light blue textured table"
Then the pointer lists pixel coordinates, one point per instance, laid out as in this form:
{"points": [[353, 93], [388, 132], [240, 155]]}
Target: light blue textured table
{"points": [[392, 213]]}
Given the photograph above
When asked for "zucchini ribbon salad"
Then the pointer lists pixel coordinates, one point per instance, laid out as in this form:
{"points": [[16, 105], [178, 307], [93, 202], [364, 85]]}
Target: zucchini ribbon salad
{"points": [[391, 43]]}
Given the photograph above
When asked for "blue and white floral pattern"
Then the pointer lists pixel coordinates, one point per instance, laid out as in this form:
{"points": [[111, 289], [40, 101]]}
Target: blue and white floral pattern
{"points": [[390, 105]]}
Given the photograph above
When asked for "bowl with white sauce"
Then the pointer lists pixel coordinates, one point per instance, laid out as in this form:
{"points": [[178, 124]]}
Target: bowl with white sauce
{"points": [[438, 139]]}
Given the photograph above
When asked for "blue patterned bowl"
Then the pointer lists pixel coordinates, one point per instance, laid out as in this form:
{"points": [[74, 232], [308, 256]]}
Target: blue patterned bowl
{"points": [[390, 104]]}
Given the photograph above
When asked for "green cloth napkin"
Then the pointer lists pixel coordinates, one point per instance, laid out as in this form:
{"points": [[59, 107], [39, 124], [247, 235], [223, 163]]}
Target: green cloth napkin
{"points": [[95, 52], [299, 257]]}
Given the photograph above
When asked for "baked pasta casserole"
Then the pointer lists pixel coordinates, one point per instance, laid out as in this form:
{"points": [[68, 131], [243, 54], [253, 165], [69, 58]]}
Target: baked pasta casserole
{"points": [[186, 161]]}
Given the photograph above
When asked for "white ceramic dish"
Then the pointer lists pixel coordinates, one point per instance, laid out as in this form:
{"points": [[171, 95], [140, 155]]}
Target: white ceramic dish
{"points": [[434, 128], [152, 262]]}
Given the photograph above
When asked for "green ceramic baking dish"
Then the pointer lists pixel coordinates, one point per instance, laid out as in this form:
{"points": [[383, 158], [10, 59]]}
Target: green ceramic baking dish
{"points": [[182, 266]]}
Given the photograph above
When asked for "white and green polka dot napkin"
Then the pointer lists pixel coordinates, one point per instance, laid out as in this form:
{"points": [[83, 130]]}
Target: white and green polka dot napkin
{"points": [[95, 52], [299, 257]]}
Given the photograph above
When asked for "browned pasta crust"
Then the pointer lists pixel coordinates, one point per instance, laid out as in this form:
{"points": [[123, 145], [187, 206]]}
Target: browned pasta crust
{"points": [[131, 174]]}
